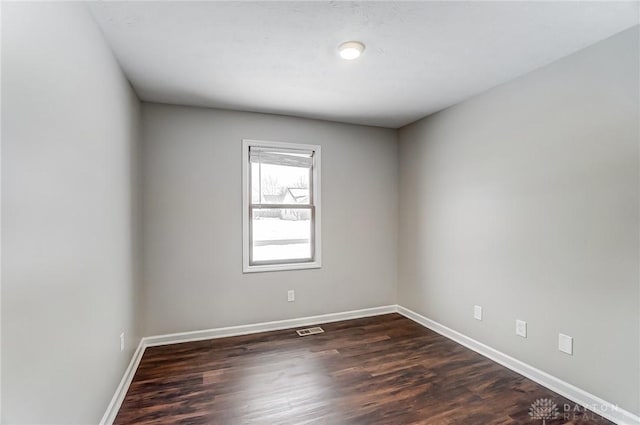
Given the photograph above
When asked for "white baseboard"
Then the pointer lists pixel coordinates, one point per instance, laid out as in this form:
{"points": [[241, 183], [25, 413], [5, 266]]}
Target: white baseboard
{"points": [[581, 397], [117, 399], [176, 338]]}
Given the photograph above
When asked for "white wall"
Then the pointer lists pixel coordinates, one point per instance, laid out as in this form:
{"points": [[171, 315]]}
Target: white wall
{"points": [[69, 141], [192, 227], [525, 200]]}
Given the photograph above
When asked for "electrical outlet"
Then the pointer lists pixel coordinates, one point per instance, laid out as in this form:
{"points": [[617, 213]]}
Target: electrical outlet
{"points": [[477, 312], [521, 328], [122, 341], [565, 344], [291, 295]]}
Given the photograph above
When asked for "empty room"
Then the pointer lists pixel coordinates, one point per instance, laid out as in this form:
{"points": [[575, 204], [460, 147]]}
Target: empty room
{"points": [[320, 212]]}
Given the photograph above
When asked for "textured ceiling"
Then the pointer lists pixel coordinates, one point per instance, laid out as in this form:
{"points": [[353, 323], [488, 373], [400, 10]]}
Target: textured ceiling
{"points": [[281, 57]]}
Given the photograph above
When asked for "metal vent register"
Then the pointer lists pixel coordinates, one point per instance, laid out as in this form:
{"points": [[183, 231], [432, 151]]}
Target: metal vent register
{"points": [[310, 331]]}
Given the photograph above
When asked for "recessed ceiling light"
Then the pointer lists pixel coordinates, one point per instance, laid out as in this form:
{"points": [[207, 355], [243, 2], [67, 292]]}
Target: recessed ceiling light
{"points": [[351, 50]]}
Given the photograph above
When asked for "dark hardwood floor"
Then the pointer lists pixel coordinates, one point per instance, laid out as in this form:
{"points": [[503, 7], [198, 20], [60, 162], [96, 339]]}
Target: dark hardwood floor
{"points": [[380, 370]]}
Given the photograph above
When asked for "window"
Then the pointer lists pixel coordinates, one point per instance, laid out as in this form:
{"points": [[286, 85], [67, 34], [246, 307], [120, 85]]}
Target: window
{"points": [[281, 206]]}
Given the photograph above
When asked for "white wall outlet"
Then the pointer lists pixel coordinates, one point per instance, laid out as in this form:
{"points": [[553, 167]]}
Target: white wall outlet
{"points": [[291, 295], [565, 344], [521, 328], [477, 312], [122, 341]]}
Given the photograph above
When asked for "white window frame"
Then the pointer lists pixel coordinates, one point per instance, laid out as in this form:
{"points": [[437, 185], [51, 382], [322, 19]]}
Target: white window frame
{"points": [[246, 200]]}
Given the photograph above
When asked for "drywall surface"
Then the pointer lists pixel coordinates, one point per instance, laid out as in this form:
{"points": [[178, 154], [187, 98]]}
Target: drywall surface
{"points": [[192, 220], [69, 248], [524, 200]]}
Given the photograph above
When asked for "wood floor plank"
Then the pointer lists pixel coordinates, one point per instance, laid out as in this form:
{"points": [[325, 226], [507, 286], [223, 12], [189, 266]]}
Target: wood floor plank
{"points": [[379, 370]]}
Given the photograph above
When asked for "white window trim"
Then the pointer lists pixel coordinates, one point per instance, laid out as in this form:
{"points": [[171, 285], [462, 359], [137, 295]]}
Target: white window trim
{"points": [[317, 263]]}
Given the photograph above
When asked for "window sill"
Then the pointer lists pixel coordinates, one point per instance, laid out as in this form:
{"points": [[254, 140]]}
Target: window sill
{"points": [[281, 267]]}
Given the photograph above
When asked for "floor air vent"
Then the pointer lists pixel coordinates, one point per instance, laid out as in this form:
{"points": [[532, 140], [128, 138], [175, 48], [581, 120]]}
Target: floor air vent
{"points": [[310, 331]]}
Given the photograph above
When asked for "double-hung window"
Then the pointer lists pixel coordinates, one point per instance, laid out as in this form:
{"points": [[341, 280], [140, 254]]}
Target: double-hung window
{"points": [[281, 206]]}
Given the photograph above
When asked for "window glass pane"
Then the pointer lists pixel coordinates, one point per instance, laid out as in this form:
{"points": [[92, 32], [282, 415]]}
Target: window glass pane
{"points": [[255, 183], [278, 183], [281, 234]]}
